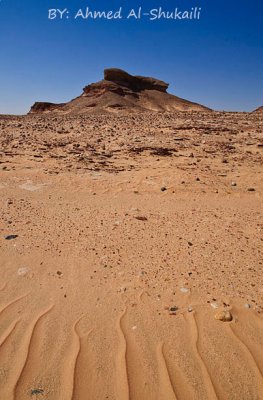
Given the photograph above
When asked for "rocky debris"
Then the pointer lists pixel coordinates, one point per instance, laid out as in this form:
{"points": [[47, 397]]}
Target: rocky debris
{"points": [[115, 143], [224, 316]]}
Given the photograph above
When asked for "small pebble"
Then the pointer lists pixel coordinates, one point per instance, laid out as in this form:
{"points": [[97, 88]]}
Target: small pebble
{"points": [[22, 271], [36, 392], [10, 237], [141, 218], [224, 316], [214, 305], [247, 305], [184, 290]]}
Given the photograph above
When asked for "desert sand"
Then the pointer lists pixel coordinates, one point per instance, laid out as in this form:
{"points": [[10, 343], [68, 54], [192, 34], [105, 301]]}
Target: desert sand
{"points": [[131, 256]]}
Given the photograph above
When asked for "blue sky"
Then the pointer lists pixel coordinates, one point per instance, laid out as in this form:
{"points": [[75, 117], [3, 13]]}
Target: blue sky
{"points": [[216, 61]]}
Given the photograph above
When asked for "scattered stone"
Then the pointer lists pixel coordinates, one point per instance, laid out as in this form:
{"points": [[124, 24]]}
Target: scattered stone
{"points": [[251, 189], [214, 305], [10, 237], [163, 188], [59, 273], [233, 184], [173, 309], [36, 392], [247, 305], [141, 218], [189, 309], [184, 290], [22, 271], [224, 316]]}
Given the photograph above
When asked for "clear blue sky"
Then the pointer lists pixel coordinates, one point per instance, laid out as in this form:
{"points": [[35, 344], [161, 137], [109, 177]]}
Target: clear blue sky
{"points": [[216, 61]]}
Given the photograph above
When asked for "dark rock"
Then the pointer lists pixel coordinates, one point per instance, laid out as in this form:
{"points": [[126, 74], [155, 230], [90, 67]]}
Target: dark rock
{"points": [[135, 83], [36, 392], [10, 237], [141, 218], [41, 107]]}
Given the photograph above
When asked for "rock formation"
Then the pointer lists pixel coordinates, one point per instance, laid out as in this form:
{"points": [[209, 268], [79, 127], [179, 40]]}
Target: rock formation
{"points": [[41, 107], [120, 91], [259, 110]]}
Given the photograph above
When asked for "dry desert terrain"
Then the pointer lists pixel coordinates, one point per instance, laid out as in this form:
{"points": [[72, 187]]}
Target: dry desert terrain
{"points": [[131, 256]]}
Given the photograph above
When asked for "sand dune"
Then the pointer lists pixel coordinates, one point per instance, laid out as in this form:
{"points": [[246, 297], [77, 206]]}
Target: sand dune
{"points": [[130, 233]]}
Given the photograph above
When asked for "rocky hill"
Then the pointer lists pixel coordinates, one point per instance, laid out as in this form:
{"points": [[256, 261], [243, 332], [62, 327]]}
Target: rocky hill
{"points": [[259, 110], [120, 91]]}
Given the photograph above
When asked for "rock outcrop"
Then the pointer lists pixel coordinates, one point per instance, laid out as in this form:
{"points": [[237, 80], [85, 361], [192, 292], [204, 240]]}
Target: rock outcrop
{"points": [[134, 83], [42, 107], [121, 92], [259, 110]]}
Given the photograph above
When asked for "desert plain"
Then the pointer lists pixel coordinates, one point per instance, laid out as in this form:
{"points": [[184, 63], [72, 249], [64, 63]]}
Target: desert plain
{"points": [[131, 256]]}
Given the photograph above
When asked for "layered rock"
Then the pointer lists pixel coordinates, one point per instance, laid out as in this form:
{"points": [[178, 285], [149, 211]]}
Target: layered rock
{"points": [[134, 83]]}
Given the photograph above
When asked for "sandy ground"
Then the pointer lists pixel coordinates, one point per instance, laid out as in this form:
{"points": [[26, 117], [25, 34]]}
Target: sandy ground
{"points": [[131, 234]]}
